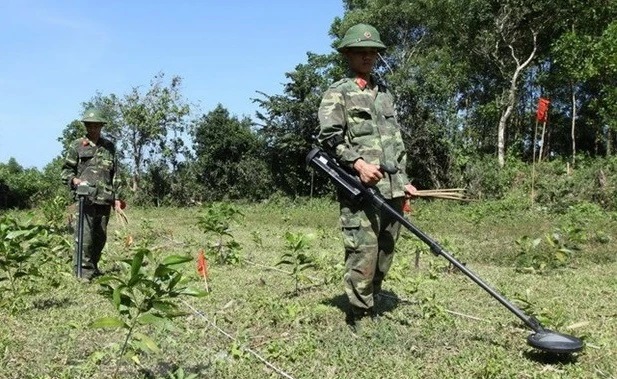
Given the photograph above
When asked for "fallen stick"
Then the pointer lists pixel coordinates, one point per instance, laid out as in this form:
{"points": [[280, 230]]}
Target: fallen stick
{"points": [[446, 194], [249, 350], [446, 197], [444, 190], [446, 310]]}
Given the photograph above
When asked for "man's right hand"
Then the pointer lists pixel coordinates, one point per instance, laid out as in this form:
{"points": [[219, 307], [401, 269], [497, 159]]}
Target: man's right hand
{"points": [[369, 174], [76, 181]]}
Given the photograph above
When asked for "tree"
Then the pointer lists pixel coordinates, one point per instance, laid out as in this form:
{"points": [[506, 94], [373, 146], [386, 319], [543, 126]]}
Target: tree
{"points": [[73, 130], [493, 55], [604, 59], [18, 186], [289, 123], [574, 63], [503, 38], [229, 157], [577, 73], [153, 124]]}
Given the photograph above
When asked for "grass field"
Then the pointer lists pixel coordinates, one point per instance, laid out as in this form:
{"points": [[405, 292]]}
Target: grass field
{"points": [[435, 322]]}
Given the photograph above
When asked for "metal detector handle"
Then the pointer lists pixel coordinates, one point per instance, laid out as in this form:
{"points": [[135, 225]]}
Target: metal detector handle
{"points": [[82, 191], [351, 184], [386, 167], [80, 237], [316, 158]]}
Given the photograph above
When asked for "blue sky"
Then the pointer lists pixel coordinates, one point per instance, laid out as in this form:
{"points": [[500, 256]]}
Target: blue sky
{"points": [[54, 55]]}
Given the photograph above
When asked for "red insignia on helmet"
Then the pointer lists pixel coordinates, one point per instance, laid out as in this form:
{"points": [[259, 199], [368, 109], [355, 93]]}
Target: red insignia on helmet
{"points": [[367, 35]]}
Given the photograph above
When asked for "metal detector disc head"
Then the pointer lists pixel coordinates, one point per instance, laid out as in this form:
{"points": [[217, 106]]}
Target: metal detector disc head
{"points": [[554, 342]]}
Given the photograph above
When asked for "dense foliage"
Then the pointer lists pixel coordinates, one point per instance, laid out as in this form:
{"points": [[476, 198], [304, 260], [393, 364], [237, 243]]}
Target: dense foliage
{"points": [[466, 75]]}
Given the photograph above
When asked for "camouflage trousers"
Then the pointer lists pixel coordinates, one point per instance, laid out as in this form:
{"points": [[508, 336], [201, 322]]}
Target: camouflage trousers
{"points": [[96, 218], [369, 237]]}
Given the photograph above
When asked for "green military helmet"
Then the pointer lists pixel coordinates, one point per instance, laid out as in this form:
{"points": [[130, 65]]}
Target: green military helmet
{"points": [[93, 115], [361, 35]]}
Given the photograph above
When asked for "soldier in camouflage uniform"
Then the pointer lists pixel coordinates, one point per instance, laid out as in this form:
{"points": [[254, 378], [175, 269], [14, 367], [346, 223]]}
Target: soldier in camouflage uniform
{"points": [[358, 127], [92, 159]]}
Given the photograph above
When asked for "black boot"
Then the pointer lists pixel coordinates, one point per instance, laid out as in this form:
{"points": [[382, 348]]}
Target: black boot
{"points": [[373, 315], [353, 317]]}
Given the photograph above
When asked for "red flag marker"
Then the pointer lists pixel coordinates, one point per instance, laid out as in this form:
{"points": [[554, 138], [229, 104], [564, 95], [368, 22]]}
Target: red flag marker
{"points": [[542, 112], [202, 267]]}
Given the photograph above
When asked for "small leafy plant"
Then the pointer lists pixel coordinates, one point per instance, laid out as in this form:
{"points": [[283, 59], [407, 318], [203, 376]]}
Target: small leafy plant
{"points": [[257, 239], [216, 221], [550, 317], [143, 299], [295, 257], [529, 257], [54, 211], [561, 248], [539, 255], [431, 308], [25, 247]]}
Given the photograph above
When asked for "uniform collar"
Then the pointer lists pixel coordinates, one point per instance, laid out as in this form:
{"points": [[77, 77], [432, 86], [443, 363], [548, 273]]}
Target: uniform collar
{"points": [[87, 142], [362, 83]]}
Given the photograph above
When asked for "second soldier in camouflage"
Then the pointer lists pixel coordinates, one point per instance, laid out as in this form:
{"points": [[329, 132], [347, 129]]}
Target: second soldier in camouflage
{"points": [[92, 160], [358, 126]]}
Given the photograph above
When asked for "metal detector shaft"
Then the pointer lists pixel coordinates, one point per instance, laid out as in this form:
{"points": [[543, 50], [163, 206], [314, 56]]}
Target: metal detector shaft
{"points": [[352, 185], [80, 238], [438, 250]]}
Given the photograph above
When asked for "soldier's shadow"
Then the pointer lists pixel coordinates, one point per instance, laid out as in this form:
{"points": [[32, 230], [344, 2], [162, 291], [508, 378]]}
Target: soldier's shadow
{"points": [[45, 304], [387, 301]]}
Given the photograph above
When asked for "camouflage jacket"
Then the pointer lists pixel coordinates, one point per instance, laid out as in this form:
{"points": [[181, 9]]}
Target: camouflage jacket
{"points": [[358, 122], [95, 163]]}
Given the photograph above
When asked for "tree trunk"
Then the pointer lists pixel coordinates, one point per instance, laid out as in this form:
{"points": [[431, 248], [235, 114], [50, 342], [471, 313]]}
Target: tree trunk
{"points": [[137, 154], [135, 183], [137, 164], [511, 103], [573, 126], [501, 131], [609, 142], [542, 142]]}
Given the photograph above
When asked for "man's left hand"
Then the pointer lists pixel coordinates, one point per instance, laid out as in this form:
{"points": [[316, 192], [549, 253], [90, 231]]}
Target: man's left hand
{"points": [[410, 191]]}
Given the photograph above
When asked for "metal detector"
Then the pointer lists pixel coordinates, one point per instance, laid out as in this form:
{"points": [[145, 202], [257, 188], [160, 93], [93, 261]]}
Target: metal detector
{"points": [[82, 192], [543, 339]]}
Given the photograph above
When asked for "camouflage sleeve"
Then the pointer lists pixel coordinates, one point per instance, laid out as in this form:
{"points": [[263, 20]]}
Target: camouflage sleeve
{"points": [[332, 127], [402, 157], [69, 168], [402, 163]]}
